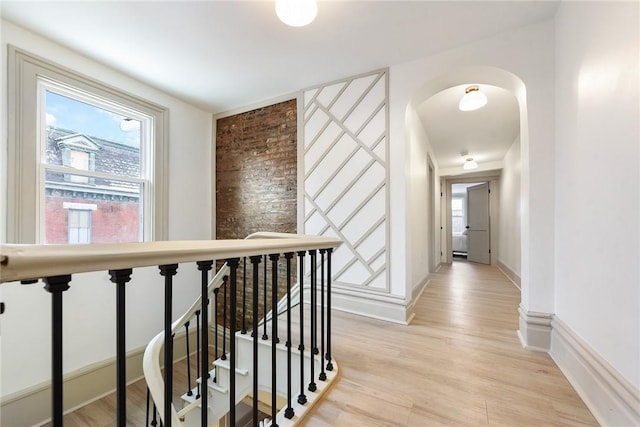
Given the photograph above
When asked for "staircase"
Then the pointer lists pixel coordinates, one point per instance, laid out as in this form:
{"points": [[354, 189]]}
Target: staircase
{"points": [[297, 375]]}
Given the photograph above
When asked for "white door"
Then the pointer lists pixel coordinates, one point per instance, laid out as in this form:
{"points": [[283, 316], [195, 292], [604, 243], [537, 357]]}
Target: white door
{"points": [[478, 242]]}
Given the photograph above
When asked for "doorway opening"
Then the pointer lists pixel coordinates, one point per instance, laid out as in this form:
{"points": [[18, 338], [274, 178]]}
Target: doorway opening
{"points": [[470, 222], [471, 201]]}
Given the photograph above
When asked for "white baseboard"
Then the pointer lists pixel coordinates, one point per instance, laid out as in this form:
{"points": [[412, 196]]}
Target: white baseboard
{"points": [[415, 296], [366, 303], [511, 275], [32, 406], [535, 330], [612, 399]]}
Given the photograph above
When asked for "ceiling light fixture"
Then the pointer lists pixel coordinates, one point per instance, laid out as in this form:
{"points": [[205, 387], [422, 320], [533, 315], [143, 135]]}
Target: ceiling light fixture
{"points": [[473, 99], [469, 164], [296, 13]]}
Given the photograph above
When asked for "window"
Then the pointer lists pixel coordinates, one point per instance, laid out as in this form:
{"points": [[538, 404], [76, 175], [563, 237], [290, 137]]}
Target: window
{"points": [[83, 144], [79, 230], [98, 145], [458, 220]]}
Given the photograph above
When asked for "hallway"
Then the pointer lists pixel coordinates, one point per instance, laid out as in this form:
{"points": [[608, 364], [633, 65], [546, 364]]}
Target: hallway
{"points": [[458, 363]]}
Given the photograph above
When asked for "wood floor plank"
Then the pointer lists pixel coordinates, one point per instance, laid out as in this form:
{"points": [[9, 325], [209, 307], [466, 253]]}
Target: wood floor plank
{"points": [[459, 362]]}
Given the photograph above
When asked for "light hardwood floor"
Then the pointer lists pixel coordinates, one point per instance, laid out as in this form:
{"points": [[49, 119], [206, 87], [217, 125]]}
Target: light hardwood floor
{"points": [[459, 363]]}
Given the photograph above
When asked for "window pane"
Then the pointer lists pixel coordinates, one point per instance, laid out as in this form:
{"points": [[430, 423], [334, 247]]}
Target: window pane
{"points": [[109, 211], [79, 230], [95, 136], [457, 225], [88, 137]]}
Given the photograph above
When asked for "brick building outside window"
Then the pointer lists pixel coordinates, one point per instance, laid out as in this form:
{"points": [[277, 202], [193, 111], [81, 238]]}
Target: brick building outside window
{"points": [[83, 209]]}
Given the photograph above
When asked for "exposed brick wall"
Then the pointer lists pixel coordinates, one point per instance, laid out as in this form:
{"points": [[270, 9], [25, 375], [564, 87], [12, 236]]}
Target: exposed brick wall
{"points": [[256, 180], [256, 169]]}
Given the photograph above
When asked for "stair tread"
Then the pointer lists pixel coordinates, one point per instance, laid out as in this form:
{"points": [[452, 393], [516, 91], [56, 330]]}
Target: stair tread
{"points": [[212, 375], [225, 364]]}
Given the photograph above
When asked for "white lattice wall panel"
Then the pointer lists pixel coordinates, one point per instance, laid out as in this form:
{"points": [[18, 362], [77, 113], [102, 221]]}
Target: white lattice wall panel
{"points": [[345, 175]]}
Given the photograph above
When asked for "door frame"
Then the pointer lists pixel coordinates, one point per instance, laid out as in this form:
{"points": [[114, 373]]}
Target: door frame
{"points": [[493, 178], [434, 259]]}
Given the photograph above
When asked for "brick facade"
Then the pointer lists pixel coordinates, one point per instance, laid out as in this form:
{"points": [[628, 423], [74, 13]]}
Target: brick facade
{"points": [[111, 221], [114, 206], [256, 179]]}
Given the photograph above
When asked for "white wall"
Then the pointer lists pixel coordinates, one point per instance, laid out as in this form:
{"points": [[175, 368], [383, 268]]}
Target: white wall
{"points": [[526, 53], [418, 194], [509, 240], [89, 319], [598, 184]]}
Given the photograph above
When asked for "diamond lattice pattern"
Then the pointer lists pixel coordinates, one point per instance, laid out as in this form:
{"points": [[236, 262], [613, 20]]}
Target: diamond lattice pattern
{"points": [[345, 175]]}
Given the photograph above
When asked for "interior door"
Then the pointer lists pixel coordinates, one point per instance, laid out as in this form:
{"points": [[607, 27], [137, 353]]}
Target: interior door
{"points": [[478, 237]]}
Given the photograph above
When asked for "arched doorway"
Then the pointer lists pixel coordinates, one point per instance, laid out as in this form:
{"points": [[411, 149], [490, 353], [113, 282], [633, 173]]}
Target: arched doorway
{"points": [[505, 82]]}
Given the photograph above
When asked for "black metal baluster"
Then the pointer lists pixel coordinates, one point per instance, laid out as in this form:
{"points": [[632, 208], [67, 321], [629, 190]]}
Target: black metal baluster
{"points": [[224, 318], [168, 271], [215, 325], [264, 299], [323, 375], [244, 296], [120, 278], [255, 260], [274, 334], [328, 355], [302, 398], [154, 421], [56, 285], [233, 267], [204, 267], [146, 419], [313, 351], [186, 327], [289, 412], [197, 356]]}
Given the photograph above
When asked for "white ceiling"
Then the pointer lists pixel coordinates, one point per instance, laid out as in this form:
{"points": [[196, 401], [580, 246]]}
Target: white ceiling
{"points": [[485, 134], [221, 55]]}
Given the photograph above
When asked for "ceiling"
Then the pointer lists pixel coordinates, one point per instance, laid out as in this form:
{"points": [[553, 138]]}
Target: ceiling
{"points": [[221, 55], [485, 134]]}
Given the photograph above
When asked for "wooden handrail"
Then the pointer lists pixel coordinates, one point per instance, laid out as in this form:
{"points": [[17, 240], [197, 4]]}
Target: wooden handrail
{"points": [[27, 262]]}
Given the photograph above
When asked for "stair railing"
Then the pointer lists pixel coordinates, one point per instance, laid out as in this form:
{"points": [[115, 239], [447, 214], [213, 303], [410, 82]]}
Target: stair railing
{"points": [[56, 264], [151, 360]]}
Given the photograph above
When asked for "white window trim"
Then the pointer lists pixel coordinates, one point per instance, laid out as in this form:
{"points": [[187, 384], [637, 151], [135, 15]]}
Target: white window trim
{"points": [[24, 70], [79, 206]]}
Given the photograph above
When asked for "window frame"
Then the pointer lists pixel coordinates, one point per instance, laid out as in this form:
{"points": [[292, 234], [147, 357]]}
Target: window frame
{"points": [[463, 211], [72, 211], [25, 73]]}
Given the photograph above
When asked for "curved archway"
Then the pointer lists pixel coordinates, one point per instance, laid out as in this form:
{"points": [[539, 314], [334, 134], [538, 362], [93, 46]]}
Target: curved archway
{"points": [[484, 75]]}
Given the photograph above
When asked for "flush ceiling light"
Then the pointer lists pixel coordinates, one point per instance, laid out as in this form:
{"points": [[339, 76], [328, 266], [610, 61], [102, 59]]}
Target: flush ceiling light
{"points": [[296, 13], [472, 99], [469, 164]]}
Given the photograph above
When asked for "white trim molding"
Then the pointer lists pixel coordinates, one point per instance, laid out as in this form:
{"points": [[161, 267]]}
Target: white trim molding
{"points": [[535, 330], [344, 175], [612, 399], [376, 305], [80, 206], [417, 293], [511, 275]]}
